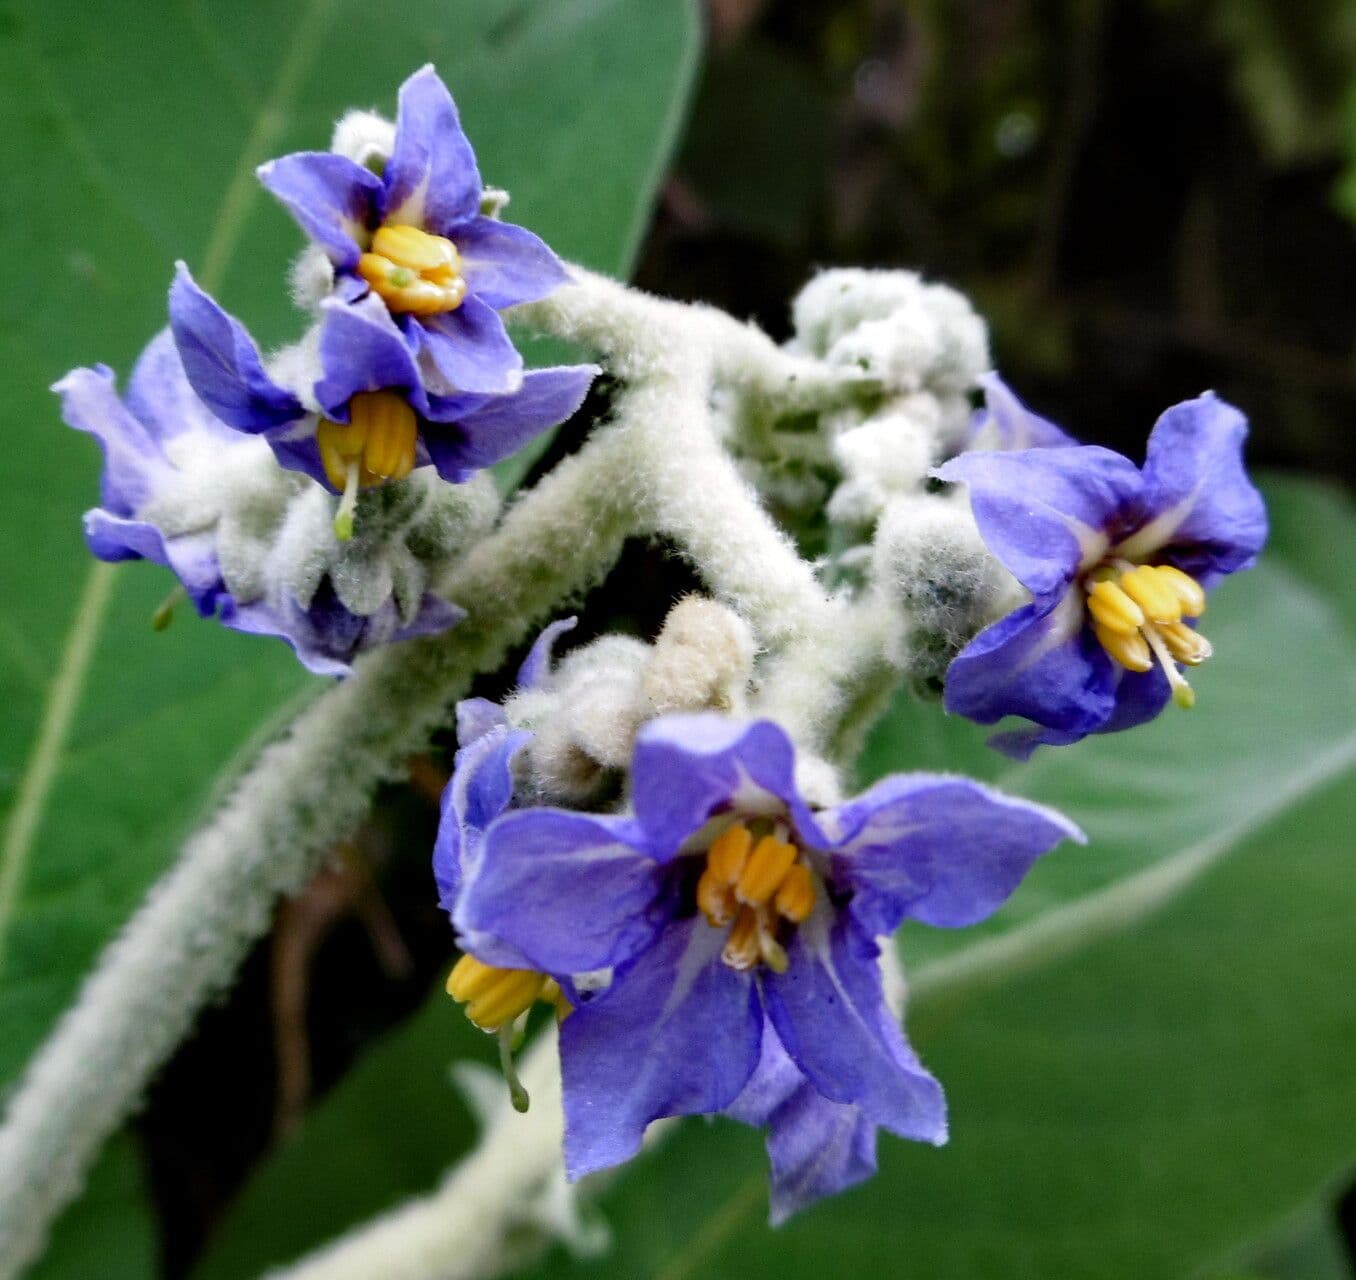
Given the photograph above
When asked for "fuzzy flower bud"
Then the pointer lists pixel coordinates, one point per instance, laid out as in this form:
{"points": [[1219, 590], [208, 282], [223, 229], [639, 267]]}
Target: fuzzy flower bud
{"points": [[894, 327], [702, 659], [931, 563]]}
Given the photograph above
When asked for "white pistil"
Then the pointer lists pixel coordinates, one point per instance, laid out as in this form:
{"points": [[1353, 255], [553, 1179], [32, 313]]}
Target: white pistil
{"points": [[343, 518], [1182, 693], [507, 1035]]}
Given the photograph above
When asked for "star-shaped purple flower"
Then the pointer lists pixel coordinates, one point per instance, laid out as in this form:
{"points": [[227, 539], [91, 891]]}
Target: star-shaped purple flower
{"points": [[739, 929], [170, 470], [1117, 560], [364, 415], [415, 237]]}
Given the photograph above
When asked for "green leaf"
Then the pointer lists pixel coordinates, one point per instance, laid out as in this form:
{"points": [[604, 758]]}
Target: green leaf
{"points": [[134, 143], [385, 1132], [1148, 1058], [110, 1232]]}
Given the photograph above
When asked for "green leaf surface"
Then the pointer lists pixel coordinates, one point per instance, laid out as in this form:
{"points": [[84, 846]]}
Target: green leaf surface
{"points": [[385, 1132], [110, 1232], [1148, 1059], [133, 144]]}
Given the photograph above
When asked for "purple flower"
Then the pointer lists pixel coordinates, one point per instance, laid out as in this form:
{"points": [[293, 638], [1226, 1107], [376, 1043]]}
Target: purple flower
{"points": [[736, 924], [184, 490], [1117, 560], [361, 414], [1006, 423], [415, 239]]}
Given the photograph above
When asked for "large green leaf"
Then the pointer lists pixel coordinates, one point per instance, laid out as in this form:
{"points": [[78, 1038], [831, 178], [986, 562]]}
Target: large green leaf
{"points": [[1148, 1059], [386, 1131], [132, 143]]}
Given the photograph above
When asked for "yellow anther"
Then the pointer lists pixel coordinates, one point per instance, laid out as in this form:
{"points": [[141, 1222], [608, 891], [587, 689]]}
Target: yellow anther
{"points": [[1188, 591], [1113, 609], [380, 436], [514, 993], [728, 853], [493, 996], [469, 977], [1131, 651], [416, 249], [715, 897], [743, 948], [391, 432], [765, 870], [413, 271], [1158, 600], [796, 895], [1184, 644]]}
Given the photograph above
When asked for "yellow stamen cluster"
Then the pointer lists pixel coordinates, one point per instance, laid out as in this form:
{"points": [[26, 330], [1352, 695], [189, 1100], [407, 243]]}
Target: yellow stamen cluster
{"points": [[495, 997], [376, 444], [1138, 614], [753, 885], [413, 271]]}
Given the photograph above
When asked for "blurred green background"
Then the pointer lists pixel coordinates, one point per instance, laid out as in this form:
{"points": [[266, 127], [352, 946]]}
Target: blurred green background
{"points": [[1149, 1055]]}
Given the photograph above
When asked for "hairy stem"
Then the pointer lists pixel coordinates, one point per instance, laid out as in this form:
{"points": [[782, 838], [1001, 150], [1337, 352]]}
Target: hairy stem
{"points": [[305, 792]]}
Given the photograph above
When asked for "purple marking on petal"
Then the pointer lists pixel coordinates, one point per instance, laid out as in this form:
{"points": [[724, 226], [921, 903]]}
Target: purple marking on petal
{"points": [[687, 768], [361, 349], [223, 364], [489, 428], [1200, 504], [1047, 513], [570, 891], [677, 1033], [333, 199], [1041, 661], [469, 350], [1015, 426], [943, 850], [431, 178], [535, 673], [831, 1015], [505, 264]]}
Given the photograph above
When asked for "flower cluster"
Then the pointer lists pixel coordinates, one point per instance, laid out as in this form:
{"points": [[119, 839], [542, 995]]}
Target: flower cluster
{"points": [[641, 834], [407, 365]]}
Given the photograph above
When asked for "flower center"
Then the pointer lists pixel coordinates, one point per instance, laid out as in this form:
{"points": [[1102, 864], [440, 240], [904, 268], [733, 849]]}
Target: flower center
{"points": [[376, 444], [1137, 616], [754, 886], [413, 271]]}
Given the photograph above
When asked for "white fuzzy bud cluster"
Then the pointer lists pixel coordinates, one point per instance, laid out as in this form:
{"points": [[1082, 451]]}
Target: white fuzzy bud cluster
{"points": [[584, 718], [921, 347]]}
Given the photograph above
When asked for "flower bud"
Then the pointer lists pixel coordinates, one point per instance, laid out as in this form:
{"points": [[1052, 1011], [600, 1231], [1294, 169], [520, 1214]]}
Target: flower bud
{"points": [[701, 661]]}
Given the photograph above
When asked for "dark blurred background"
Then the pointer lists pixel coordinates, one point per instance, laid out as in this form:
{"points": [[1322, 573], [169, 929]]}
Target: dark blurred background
{"points": [[1146, 198]]}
